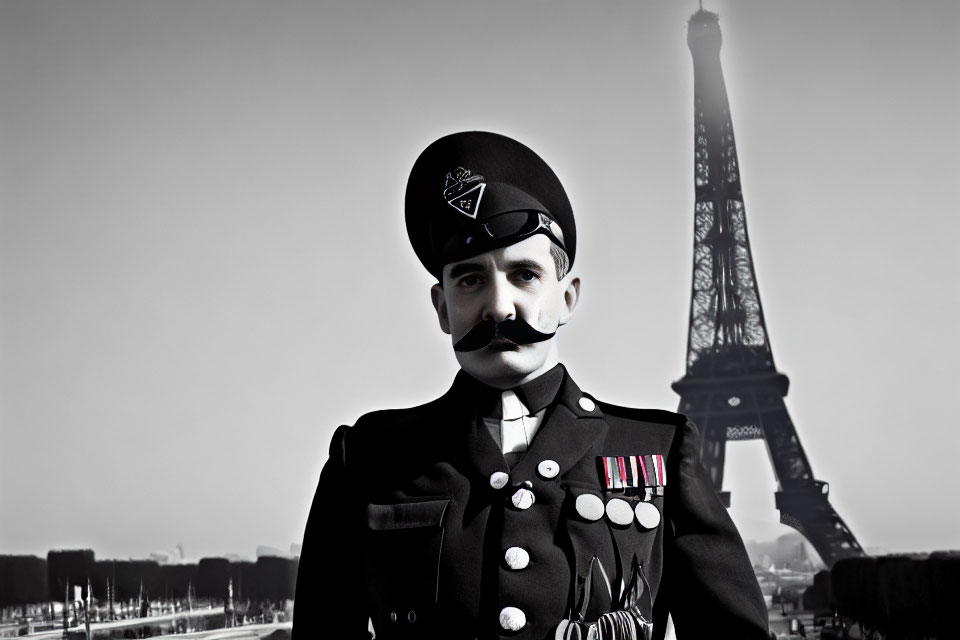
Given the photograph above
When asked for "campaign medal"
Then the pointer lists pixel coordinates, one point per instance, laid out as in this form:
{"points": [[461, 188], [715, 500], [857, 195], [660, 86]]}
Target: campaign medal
{"points": [[634, 472], [655, 479], [633, 477]]}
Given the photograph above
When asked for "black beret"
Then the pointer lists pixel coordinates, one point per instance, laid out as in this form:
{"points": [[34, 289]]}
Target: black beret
{"points": [[474, 191]]}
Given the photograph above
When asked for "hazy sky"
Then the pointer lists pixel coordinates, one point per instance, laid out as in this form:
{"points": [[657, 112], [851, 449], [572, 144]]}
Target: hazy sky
{"points": [[204, 268]]}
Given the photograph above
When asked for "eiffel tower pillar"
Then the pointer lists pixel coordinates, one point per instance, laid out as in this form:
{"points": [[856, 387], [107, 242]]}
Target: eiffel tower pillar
{"points": [[731, 388]]}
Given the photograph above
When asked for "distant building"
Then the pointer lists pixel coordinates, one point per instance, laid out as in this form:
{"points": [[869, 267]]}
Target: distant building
{"points": [[235, 557], [789, 551], [264, 551], [174, 556]]}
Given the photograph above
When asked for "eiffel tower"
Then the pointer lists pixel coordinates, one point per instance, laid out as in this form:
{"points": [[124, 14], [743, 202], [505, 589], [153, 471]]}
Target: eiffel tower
{"points": [[732, 389]]}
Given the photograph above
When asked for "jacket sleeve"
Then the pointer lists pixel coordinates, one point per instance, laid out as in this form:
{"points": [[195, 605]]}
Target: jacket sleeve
{"points": [[712, 589], [330, 589]]}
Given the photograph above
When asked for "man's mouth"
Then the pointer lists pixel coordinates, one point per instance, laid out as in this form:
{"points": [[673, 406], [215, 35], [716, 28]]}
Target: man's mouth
{"points": [[503, 344]]}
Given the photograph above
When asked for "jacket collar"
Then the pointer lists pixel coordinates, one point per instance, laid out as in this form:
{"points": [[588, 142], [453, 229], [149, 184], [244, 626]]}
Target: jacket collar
{"points": [[567, 434], [542, 390], [535, 394]]}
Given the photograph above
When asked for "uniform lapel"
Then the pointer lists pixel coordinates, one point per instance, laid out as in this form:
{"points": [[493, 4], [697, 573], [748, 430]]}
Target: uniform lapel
{"points": [[480, 449], [572, 436], [568, 434]]}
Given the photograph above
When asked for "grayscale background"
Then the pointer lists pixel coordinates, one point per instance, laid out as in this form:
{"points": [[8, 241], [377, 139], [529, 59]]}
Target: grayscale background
{"points": [[204, 268]]}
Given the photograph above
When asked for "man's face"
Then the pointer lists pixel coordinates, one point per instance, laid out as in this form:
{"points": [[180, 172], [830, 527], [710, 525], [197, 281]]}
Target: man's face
{"points": [[517, 282]]}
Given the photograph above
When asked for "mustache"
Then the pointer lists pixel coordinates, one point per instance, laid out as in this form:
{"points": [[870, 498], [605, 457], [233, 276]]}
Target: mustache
{"points": [[485, 332]]}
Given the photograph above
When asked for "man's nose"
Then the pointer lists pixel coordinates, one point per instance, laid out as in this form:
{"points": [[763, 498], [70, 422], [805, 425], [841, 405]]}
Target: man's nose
{"points": [[500, 304]]}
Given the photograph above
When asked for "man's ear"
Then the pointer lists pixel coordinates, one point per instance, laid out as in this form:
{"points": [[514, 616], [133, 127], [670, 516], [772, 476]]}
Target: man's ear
{"points": [[440, 304], [570, 297]]}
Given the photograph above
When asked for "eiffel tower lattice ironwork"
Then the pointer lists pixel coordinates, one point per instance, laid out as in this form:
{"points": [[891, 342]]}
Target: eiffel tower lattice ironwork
{"points": [[731, 388]]}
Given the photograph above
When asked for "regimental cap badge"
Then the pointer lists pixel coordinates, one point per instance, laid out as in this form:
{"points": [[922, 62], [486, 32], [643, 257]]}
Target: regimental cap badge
{"points": [[463, 189]]}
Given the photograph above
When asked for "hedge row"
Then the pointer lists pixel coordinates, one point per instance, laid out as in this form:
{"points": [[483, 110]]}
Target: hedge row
{"points": [[899, 594], [29, 579]]}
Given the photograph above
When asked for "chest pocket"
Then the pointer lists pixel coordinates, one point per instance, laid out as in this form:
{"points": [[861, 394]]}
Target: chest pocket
{"points": [[405, 543]]}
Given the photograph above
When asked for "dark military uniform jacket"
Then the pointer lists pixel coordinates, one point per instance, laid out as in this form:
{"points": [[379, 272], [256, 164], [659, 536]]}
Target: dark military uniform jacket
{"points": [[406, 530]]}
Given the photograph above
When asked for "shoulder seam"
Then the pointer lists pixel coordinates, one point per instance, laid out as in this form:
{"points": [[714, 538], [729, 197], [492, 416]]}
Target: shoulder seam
{"points": [[382, 414], [648, 415]]}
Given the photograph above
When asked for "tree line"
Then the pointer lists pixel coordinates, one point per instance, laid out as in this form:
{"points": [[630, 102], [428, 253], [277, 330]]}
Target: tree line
{"points": [[895, 596], [26, 579]]}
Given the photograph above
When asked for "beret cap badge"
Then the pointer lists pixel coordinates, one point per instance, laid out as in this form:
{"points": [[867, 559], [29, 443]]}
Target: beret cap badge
{"points": [[462, 190]]}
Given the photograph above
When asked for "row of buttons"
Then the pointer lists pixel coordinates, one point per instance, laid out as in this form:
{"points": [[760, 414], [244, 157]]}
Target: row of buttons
{"points": [[518, 558], [548, 470]]}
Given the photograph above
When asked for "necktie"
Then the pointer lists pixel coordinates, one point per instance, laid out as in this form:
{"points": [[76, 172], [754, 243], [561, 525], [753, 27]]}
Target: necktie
{"points": [[514, 427]]}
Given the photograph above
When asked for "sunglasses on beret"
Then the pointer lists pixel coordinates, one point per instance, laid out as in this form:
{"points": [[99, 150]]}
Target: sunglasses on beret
{"points": [[489, 234]]}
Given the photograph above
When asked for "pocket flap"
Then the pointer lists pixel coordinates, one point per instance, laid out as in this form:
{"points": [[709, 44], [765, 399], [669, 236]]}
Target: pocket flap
{"points": [[406, 515]]}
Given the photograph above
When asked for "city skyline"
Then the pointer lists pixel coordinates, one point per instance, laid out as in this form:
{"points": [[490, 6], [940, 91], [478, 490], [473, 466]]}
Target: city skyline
{"points": [[178, 555]]}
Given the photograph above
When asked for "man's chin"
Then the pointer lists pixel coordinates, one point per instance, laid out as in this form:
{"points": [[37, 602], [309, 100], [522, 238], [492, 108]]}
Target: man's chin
{"points": [[500, 365]]}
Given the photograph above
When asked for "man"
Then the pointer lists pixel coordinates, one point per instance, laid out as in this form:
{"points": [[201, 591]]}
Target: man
{"points": [[515, 505]]}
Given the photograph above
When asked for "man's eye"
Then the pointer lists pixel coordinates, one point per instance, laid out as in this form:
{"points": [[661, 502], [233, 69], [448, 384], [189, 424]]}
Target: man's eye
{"points": [[468, 281], [526, 275]]}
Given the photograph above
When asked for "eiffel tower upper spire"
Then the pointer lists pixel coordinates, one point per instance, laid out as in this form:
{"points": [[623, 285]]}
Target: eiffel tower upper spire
{"points": [[727, 330]]}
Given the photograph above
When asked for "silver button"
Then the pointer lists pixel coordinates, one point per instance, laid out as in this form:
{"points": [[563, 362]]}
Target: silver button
{"points": [[499, 479], [647, 515], [512, 619], [548, 469], [619, 512], [517, 558], [523, 498], [393, 616], [411, 616], [587, 404], [590, 507]]}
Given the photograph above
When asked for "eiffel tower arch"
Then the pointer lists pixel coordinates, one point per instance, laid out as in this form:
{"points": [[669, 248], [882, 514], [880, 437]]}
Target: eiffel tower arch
{"points": [[732, 388]]}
